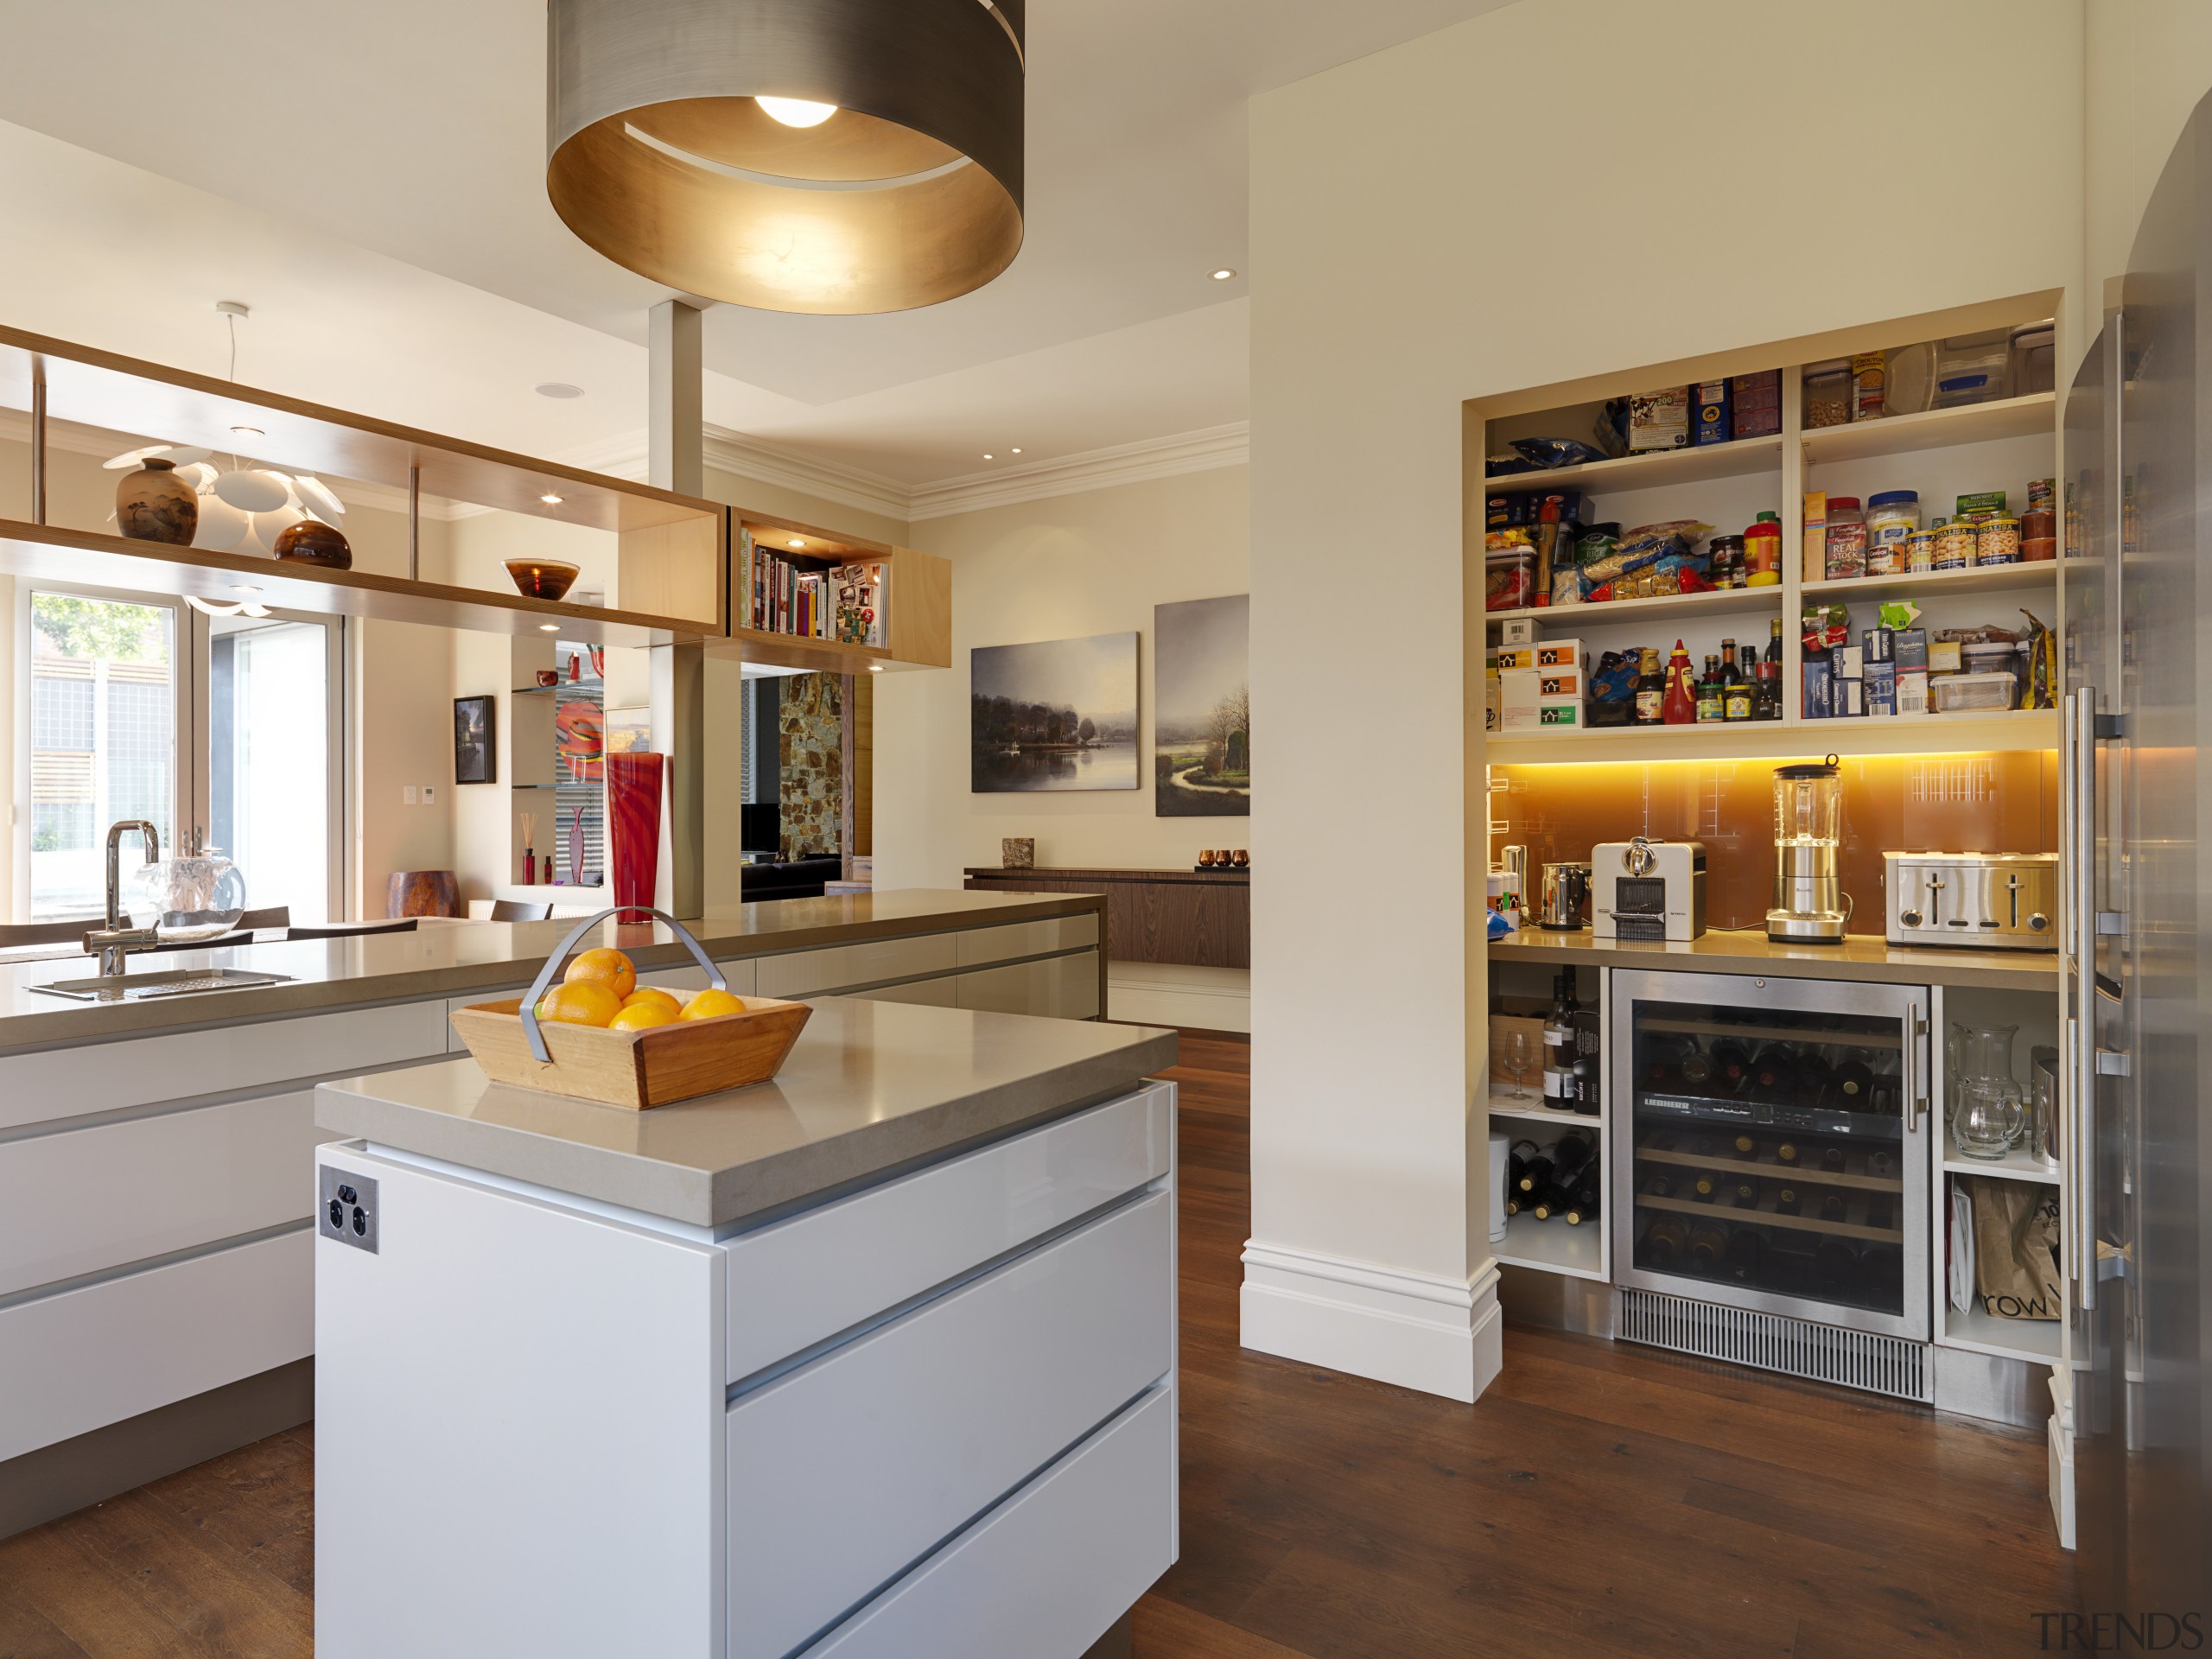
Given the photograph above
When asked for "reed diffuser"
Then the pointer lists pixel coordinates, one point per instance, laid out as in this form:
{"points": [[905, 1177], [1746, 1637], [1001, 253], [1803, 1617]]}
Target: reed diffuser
{"points": [[528, 848]]}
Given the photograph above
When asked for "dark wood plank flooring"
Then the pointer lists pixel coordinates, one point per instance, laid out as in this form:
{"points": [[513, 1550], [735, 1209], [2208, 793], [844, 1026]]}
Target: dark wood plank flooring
{"points": [[1600, 1499]]}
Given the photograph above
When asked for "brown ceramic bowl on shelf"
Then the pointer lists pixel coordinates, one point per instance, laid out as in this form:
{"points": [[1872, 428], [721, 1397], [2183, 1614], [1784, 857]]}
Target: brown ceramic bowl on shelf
{"points": [[312, 542], [542, 578]]}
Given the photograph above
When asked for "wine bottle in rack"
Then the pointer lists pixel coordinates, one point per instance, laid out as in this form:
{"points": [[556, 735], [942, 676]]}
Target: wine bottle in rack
{"points": [[1558, 1044], [1809, 1078], [1772, 1071], [1707, 1244], [1705, 1187], [1746, 1147], [1878, 1213], [1744, 1192], [1536, 1175], [1583, 1206], [1745, 1255], [1832, 1159], [1731, 1065], [1697, 1071], [1787, 1203], [1785, 1152], [1832, 1206], [1836, 1264], [1573, 1150], [1665, 1243], [1854, 1084], [1660, 1186], [1883, 1162]]}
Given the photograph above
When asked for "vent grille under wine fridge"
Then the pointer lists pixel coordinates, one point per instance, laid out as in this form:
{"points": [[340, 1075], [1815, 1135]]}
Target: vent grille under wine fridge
{"points": [[1776, 1342]]}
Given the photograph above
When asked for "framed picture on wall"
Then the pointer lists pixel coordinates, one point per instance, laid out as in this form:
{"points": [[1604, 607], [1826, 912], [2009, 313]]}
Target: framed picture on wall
{"points": [[474, 759], [1201, 708], [1061, 714]]}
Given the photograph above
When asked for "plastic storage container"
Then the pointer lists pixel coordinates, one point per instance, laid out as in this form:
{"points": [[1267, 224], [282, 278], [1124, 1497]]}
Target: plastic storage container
{"points": [[1972, 368], [1762, 552], [1510, 579], [1953, 694], [1828, 392], [2032, 357], [1892, 518]]}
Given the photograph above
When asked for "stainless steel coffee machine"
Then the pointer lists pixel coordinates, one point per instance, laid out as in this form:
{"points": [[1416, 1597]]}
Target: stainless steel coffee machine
{"points": [[1809, 906]]}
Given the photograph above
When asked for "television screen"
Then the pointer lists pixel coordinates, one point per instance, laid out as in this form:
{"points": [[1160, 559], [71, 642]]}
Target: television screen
{"points": [[760, 827]]}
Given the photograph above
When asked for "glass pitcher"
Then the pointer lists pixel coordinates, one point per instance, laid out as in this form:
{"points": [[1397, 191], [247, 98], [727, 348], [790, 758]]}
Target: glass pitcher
{"points": [[1990, 1114]]}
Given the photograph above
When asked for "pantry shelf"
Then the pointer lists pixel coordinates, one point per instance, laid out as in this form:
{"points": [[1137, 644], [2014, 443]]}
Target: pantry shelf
{"points": [[2005, 728], [2033, 416], [1721, 601], [1926, 584], [1553, 1246], [1694, 464], [2034, 1341]]}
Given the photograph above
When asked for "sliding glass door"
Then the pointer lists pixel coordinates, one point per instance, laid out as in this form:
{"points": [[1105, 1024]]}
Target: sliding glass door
{"points": [[136, 706]]}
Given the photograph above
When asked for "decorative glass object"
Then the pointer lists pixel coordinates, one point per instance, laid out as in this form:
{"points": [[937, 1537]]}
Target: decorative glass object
{"points": [[199, 894], [633, 792], [1990, 1114]]}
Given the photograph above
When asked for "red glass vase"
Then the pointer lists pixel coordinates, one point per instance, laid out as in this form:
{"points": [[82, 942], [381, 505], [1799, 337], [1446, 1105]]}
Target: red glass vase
{"points": [[633, 787]]}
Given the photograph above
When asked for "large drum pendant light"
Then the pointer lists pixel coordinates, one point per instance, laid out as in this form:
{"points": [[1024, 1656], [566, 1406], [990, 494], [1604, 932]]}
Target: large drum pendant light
{"points": [[687, 140]]}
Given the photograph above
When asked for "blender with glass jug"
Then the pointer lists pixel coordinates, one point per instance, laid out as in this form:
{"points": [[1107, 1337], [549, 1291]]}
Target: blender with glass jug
{"points": [[1808, 826]]}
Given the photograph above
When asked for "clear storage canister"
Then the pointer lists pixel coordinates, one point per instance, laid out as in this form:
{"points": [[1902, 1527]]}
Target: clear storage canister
{"points": [[1893, 516]]}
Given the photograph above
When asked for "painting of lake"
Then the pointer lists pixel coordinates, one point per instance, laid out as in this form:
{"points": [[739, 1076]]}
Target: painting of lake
{"points": [[1201, 708], [1059, 715]]}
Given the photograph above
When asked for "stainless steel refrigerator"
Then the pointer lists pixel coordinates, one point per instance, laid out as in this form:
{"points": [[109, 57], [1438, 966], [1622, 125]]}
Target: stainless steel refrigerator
{"points": [[2136, 1390]]}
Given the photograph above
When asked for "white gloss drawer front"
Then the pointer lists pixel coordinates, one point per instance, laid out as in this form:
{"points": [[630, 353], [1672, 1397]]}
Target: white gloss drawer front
{"points": [[1049, 1570], [804, 973], [798, 1282], [847, 1473]]}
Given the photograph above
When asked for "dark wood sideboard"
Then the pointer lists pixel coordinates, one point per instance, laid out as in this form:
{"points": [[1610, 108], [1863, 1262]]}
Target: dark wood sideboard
{"points": [[1201, 917]]}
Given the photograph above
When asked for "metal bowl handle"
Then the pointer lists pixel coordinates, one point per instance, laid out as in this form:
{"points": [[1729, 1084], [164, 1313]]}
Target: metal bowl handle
{"points": [[559, 958]]}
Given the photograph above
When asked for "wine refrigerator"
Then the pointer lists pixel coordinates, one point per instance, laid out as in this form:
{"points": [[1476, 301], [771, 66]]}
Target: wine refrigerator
{"points": [[1771, 1145]]}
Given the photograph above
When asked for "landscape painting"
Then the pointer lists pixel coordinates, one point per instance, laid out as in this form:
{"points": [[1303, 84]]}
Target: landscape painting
{"points": [[1059, 714], [1201, 708]]}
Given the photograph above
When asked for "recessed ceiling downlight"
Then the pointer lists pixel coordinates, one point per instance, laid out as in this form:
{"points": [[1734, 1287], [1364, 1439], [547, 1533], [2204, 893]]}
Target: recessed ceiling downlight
{"points": [[559, 389], [1223, 275]]}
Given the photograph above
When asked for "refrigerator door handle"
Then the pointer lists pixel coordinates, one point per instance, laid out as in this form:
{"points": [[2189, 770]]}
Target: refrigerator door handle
{"points": [[1916, 1091], [2078, 819]]}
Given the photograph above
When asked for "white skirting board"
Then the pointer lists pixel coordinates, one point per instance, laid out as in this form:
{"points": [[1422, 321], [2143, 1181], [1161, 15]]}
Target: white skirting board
{"points": [[1171, 994], [1415, 1330]]}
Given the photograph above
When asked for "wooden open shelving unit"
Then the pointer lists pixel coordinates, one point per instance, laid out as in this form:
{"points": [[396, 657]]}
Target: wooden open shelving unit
{"points": [[918, 588], [673, 551]]}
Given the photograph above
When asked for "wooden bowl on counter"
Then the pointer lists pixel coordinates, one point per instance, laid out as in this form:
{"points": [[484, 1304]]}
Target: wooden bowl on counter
{"points": [[637, 1069]]}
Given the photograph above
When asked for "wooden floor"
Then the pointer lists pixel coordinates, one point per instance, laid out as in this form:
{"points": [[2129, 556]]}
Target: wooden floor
{"points": [[1600, 1499]]}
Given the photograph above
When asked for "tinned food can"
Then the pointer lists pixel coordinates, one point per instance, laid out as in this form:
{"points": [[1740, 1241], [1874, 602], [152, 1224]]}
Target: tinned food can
{"points": [[1998, 542], [1955, 546], [1920, 550]]}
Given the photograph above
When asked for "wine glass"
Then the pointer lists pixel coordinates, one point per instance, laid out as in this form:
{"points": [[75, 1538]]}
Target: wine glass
{"points": [[1520, 1056]]}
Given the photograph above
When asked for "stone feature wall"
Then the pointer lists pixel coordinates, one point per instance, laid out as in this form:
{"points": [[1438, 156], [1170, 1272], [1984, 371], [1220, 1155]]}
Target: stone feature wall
{"points": [[810, 719]]}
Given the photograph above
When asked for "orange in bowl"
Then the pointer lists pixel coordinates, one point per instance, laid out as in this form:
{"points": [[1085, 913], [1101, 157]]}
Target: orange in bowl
{"points": [[640, 1014], [580, 1002], [656, 996], [711, 1004], [606, 967]]}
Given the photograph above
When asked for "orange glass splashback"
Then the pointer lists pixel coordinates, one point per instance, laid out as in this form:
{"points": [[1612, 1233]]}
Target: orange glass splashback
{"points": [[2004, 803]]}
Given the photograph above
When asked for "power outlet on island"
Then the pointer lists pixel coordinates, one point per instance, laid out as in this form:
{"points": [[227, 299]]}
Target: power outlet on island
{"points": [[347, 1211]]}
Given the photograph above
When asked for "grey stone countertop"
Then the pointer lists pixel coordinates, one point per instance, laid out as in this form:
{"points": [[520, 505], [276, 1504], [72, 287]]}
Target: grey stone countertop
{"points": [[869, 1088], [461, 958]]}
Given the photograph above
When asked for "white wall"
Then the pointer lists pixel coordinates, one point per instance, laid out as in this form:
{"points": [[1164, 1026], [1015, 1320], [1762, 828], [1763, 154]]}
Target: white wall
{"points": [[1422, 234], [2147, 64], [1064, 567]]}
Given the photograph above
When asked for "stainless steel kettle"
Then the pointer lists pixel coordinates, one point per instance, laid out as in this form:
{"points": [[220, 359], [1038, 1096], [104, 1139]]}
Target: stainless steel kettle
{"points": [[1566, 891]]}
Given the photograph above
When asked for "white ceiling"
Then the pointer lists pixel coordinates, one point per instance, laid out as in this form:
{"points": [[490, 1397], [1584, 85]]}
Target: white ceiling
{"points": [[371, 179]]}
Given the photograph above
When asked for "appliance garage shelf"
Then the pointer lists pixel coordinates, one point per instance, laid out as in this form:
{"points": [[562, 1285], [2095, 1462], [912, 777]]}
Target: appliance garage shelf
{"points": [[2016, 1166], [2033, 416], [1553, 1247], [2034, 1341], [1721, 601], [2002, 729]]}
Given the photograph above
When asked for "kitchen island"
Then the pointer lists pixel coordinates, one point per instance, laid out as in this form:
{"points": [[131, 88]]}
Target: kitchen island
{"points": [[156, 1300], [877, 1358]]}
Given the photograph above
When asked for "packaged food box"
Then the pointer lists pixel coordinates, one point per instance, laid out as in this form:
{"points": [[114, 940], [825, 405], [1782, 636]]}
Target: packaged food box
{"points": [[1553, 683], [1659, 420], [1912, 690], [1988, 504], [1565, 714], [1881, 687], [1815, 688], [1816, 536], [1847, 699], [1881, 646], [1518, 631], [1713, 413], [1755, 401], [1549, 653], [1847, 662], [1869, 376], [1943, 657], [1909, 648]]}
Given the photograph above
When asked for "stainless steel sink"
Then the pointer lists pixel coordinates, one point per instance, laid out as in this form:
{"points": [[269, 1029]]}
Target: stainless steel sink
{"points": [[139, 988]]}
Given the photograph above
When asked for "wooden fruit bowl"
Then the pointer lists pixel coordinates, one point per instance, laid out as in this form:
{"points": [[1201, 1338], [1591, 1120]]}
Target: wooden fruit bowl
{"points": [[637, 1069]]}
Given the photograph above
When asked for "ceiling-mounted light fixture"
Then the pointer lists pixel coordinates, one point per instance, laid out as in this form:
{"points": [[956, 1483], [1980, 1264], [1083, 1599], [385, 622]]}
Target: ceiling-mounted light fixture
{"points": [[829, 156], [242, 510]]}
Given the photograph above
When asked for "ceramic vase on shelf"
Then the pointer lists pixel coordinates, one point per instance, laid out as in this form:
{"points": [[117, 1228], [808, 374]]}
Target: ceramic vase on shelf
{"points": [[633, 791], [312, 541], [154, 504]]}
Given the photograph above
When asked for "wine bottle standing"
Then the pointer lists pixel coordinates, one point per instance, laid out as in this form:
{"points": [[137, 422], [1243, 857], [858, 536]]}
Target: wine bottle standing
{"points": [[1766, 702], [1735, 684], [1558, 1044]]}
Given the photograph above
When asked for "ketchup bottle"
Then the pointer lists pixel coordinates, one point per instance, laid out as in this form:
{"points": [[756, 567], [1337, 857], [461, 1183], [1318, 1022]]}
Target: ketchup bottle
{"points": [[1679, 706]]}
